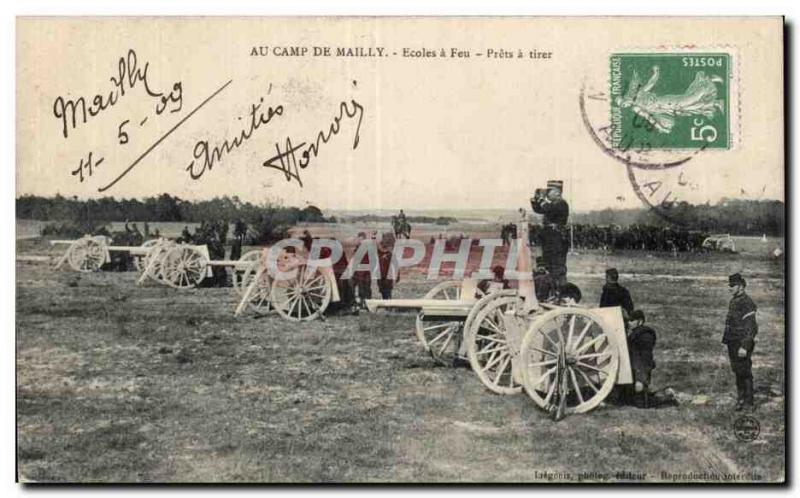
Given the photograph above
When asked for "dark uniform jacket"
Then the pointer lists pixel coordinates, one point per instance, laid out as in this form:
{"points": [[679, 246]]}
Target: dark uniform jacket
{"points": [[363, 276], [385, 259], [740, 325], [641, 342], [486, 285], [553, 236], [616, 295], [553, 213]]}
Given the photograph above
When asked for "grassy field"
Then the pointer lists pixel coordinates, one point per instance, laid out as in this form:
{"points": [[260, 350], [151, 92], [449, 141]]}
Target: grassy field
{"points": [[117, 382]]}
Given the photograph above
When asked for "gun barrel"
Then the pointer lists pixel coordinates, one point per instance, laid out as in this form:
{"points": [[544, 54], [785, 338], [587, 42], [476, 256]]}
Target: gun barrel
{"points": [[438, 307]]}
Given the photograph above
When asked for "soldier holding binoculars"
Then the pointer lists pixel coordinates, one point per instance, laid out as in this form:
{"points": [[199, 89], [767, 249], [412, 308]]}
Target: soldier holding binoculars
{"points": [[555, 212]]}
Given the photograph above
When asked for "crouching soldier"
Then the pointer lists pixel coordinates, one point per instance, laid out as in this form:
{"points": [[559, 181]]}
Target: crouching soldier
{"points": [[740, 332], [641, 342]]}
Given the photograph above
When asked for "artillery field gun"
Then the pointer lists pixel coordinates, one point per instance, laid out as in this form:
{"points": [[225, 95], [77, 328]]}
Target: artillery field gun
{"points": [[302, 296], [567, 358]]}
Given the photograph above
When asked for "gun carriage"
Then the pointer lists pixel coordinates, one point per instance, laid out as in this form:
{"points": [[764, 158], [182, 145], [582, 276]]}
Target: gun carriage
{"points": [[567, 358], [303, 295]]}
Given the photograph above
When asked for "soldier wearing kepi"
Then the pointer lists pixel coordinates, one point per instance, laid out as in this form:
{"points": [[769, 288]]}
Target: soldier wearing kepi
{"points": [[555, 212], [740, 332]]}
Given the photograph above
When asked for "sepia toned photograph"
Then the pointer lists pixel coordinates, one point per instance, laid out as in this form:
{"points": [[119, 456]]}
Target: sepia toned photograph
{"points": [[403, 250]]}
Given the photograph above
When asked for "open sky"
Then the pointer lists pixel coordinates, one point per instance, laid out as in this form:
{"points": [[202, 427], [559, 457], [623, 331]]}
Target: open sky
{"points": [[433, 132]]}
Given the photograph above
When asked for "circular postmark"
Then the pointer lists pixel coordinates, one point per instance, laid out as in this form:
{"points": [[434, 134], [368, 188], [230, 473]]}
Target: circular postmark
{"points": [[629, 149], [658, 178], [746, 428]]}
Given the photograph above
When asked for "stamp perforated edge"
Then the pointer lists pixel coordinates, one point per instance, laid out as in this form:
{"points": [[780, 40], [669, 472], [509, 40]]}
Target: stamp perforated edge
{"points": [[734, 91]]}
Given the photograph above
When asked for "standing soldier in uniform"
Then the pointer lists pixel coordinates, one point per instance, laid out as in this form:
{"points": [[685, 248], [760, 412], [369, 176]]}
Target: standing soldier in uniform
{"points": [[616, 295], [362, 279], [555, 212], [740, 332], [386, 281], [239, 232]]}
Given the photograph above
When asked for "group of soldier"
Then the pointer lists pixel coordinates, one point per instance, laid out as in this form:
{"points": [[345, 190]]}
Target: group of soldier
{"points": [[637, 237], [130, 235], [740, 324], [356, 288]]}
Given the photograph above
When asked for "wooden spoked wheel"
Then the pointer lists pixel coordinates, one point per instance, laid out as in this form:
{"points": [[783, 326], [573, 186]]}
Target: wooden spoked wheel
{"points": [[442, 338], [242, 272], [259, 296], [493, 340], [482, 302], [303, 297], [183, 267], [87, 254], [138, 259], [567, 358], [153, 261]]}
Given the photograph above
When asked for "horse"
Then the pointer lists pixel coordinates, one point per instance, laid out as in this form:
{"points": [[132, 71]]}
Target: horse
{"points": [[401, 228]]}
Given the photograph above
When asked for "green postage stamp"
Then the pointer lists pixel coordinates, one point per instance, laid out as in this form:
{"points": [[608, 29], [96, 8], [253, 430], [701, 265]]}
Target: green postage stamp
{"points": [[670, 101]]}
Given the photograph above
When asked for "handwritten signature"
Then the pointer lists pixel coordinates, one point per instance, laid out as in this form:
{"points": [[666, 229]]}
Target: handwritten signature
{"points": [[129, 75], [287, 158]]}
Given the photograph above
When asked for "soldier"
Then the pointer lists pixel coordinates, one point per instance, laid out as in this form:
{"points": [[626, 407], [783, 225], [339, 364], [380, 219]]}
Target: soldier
{"points": [[186, 235], [543, 283], [497, 283], [307, 240], [740, 332], [555, 212], [362, 279], [616, 295], [346, 297], [239, 229], [136, 237], [239, 233], [212, 238], [236, 248], [386, 282], [641, 341]]}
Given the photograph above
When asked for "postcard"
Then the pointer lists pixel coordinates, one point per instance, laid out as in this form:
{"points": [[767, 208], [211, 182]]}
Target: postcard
{"points": [[400, 250]]}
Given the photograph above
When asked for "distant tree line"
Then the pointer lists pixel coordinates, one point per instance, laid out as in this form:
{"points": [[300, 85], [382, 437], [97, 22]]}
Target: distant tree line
{"points": [[737, 217], [161, 208], [266, 222]]}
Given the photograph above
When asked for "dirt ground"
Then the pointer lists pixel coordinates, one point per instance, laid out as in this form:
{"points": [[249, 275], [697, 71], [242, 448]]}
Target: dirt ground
{"points": [[119, 382]]}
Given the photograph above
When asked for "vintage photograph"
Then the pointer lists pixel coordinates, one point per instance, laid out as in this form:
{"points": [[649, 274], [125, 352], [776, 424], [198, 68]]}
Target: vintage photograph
{"points": [[410, 250]]}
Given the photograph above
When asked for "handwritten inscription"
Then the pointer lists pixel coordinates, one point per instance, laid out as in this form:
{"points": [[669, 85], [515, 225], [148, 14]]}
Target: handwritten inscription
{"points": [[205, 157], [285, 160], [290, 160], [129, 75]]}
